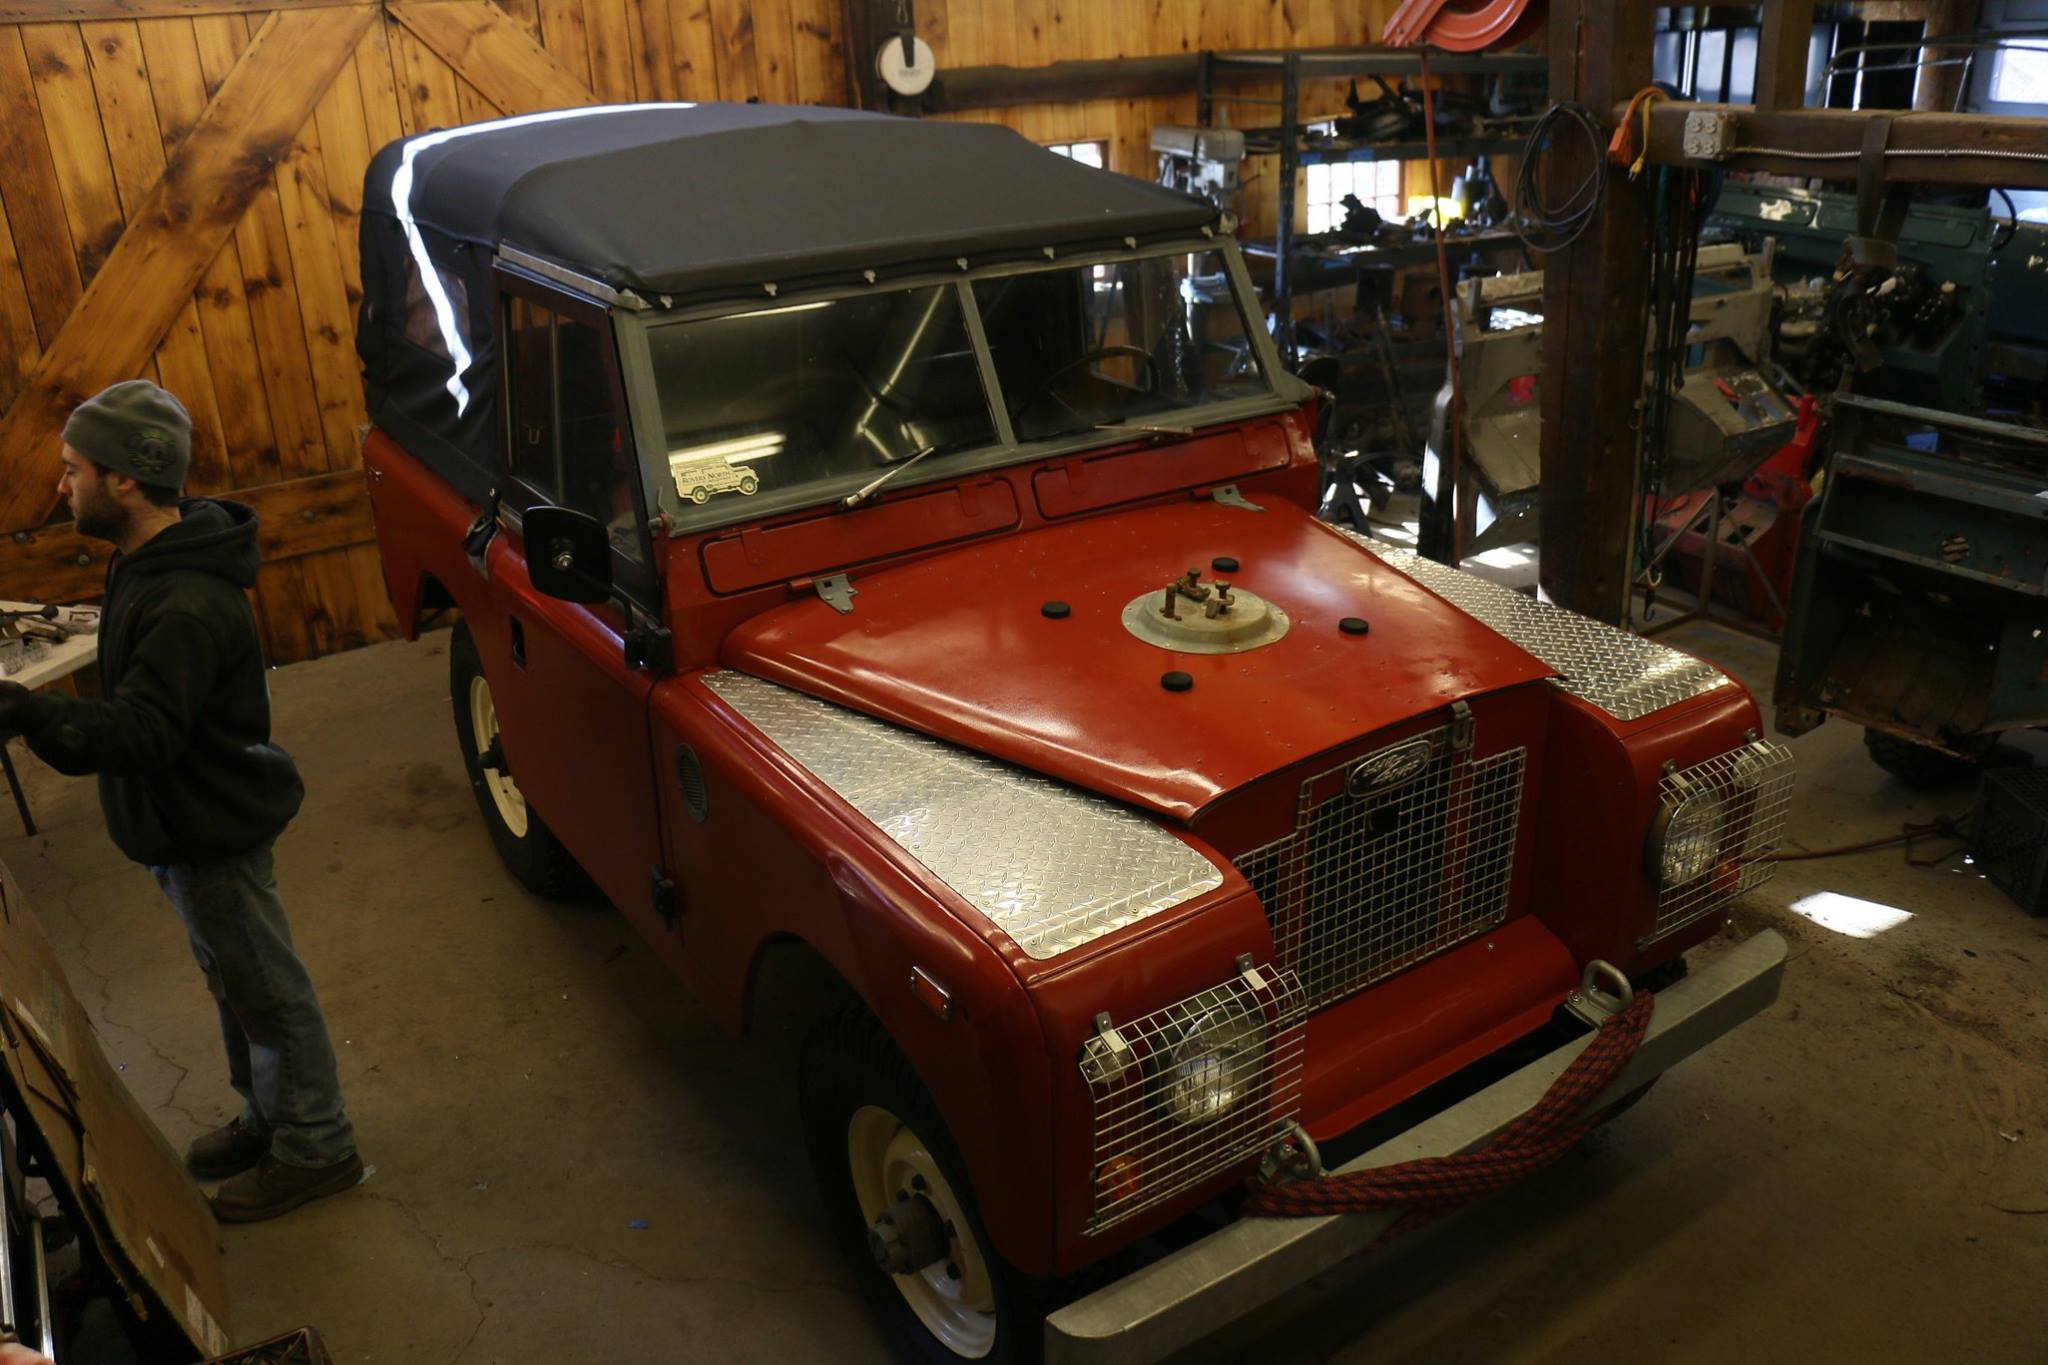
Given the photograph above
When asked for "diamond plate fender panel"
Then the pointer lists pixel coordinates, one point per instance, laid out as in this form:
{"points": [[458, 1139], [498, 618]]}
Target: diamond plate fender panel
{"points": [[1624, 675], [1051, 867]]}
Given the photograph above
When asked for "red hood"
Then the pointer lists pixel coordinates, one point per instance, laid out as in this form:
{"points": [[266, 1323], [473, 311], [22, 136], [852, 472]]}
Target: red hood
{"points": [[956, 646]]}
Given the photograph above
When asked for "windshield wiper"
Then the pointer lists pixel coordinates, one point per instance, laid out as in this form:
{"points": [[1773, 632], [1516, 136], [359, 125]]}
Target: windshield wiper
{"points": [[867, 490]]}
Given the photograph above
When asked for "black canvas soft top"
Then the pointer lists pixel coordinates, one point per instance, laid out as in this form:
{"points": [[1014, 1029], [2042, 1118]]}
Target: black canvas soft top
{"points": [[687, 199]]}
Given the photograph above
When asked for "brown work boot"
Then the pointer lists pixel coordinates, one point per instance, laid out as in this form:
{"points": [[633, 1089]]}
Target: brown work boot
{"points": [[226, 1151], [274, 1188]]}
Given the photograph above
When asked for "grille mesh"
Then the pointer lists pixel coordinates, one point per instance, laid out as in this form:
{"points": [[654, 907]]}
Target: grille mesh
{"points": [[1143, 1155], [1376, 877], [1754, 785]]}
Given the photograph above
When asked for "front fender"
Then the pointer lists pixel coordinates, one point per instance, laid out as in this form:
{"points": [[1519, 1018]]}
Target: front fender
{"points": [[779, 854]]}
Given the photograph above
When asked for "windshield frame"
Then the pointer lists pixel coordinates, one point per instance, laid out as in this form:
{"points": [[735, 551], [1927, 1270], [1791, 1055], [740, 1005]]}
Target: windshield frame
{"points": [[643, 400]]}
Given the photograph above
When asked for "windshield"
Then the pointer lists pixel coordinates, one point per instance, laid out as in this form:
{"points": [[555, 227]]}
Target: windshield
{"points": [[789, 406], [1100, 345], [790, 397]]}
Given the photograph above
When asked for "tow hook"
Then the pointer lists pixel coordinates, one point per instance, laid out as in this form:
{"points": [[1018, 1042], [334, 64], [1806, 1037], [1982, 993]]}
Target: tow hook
{"points": [[1592, 1004], [1293, 1157], [908, 1236]]}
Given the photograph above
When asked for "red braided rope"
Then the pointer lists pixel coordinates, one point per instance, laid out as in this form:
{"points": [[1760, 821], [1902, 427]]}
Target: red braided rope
{"points": [[1430, 1187]]}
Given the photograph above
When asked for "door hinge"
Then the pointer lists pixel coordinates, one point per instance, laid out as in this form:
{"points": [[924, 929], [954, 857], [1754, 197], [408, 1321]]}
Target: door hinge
{"points": [[652, 648], [668, 900], [838, 592]]}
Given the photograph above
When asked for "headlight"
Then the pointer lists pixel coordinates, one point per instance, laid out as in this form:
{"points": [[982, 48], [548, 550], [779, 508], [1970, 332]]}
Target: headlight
{"points": [[1684, 838], [1215, 1063]]}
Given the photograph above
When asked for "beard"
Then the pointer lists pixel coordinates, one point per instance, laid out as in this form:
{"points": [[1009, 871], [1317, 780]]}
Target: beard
{"points": [[101, 517]]}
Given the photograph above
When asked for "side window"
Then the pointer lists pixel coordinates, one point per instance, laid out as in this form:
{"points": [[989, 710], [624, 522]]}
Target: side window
{"points": [[567, 439], [599, 473], [530, 400]]}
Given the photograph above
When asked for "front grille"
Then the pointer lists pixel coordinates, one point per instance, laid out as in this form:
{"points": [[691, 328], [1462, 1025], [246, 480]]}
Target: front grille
{"points": [[1379, 874], [1145, 1154], [1754, 786]]}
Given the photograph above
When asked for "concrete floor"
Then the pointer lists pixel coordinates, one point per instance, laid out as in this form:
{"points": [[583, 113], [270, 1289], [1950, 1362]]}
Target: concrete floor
{"points": [[572, 1164]]}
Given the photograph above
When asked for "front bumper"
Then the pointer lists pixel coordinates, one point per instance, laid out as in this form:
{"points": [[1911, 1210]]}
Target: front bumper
{"points": [[1184, 1297]]}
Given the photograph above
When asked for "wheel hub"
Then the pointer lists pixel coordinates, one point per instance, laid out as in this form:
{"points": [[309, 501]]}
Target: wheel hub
{"points": [[483, 728], [908, 1236], [952, 1293]]}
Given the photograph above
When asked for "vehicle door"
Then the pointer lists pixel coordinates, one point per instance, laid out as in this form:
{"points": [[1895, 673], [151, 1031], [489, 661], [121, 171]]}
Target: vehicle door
{"points": [[572, 712]]}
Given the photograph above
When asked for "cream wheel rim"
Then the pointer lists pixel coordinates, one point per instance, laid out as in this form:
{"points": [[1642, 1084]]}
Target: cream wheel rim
{"points": [[483, 728], [955, 1296]]}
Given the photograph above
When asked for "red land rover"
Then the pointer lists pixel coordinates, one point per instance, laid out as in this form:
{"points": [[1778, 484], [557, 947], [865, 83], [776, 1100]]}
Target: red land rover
{"points": [[891, 538]]}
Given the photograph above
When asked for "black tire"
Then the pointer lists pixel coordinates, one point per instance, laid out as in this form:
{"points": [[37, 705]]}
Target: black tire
{"points": [[1916, 765], [534, 855], [849, 1064]]}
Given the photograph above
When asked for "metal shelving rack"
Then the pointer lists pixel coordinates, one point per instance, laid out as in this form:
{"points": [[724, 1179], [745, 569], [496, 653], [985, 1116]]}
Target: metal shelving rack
{"points": [[1286, 141]]}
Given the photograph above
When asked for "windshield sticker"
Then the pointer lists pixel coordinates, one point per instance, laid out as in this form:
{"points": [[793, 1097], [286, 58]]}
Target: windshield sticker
{"points": [[698, 477]]}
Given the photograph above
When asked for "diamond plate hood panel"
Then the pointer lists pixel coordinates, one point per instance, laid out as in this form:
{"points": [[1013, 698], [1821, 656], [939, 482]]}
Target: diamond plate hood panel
{"points": [[957, 646], [1050, 867], [1624, 675]]}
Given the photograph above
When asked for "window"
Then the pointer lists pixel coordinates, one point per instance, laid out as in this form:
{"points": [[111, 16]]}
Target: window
{"points": [[567, 441], [1092, 153], [1081, 348], [2019, 74], [424, 324], [1377, 184], [2011, 78], [786, 401]]}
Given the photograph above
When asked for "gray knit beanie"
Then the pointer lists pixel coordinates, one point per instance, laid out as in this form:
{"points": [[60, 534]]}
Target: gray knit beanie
{"points": [[134, 428]]}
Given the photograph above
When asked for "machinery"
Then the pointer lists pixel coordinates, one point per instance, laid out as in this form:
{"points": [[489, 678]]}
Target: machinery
{"points": [[1968, 302], [1920, 604], [1730, 415], [1201, 161]]}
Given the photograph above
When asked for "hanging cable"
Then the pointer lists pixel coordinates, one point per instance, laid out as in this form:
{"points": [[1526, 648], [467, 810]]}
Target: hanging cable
{"points": [[1625, 149], [1677, 210], [1440, 535], [1544, 226]]}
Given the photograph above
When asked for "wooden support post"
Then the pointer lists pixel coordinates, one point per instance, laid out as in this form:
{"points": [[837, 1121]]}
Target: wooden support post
{"points": [[1781, 54], [1938, 86], [1593, 326], [869, 23]]}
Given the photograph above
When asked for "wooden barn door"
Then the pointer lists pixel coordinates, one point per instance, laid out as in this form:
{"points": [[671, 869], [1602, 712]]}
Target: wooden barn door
{"points": [[180, 184]]}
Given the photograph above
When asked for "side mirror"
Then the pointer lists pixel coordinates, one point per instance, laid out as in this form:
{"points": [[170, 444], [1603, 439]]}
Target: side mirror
{"points": [[568, 554]]}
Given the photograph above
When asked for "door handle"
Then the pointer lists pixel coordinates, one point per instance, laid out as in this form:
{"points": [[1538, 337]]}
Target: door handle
{"points": [[518, 642]]}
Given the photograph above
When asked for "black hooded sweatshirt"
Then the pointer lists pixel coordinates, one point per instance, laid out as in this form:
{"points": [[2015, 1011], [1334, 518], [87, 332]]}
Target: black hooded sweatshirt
{"points": [[180, 736]]}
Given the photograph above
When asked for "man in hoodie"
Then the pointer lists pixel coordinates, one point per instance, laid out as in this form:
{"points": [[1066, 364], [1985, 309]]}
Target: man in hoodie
{"points": [[193, 788]]}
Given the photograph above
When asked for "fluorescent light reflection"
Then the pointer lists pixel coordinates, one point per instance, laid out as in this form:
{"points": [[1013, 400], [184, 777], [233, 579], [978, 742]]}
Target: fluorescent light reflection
{"points": [[1849, 915], [756, 447], [786, 308], [1503, 557]]}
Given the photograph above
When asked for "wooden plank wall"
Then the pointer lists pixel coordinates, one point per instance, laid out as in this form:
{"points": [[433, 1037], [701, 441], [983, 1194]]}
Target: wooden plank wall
{"points": [[1035, 32], [97, 98]]}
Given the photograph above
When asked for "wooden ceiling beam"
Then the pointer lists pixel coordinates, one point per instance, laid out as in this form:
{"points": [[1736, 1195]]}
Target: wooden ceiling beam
{"points": [[1002, 87], [1924, 148], [88, 11]]}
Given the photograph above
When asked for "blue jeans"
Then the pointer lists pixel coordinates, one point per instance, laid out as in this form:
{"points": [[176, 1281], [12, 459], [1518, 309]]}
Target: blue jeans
{"points": [[280, 1060]]}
